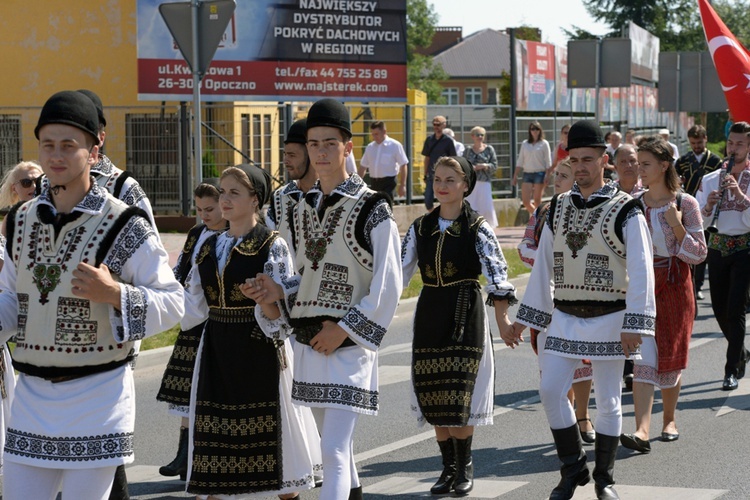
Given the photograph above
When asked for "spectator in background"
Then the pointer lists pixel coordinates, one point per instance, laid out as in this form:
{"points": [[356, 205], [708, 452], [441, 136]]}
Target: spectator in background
{"points": [[630, 137], [664, 133], [615, 139], [19, 183], [484, 160], [435, 146], [385, 159], [561, 151], [459, 145], [535, 162], [626, 164]]}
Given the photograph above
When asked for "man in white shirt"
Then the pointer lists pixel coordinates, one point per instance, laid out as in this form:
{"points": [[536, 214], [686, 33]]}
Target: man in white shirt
{"points": [[664, 133], [385, 159]]}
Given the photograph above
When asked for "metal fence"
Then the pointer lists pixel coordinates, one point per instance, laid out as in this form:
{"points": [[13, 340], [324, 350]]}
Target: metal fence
{"points": [[153, 142]]}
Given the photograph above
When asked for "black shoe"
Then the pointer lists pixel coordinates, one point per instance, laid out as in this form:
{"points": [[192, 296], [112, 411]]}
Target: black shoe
{"points": [[633, 442], [604, 480], [355, 493], [700, 295], [178, 466], [628, 383], [669, 437], [445, 482], [587, 436], [464, 482], [730, 383]]}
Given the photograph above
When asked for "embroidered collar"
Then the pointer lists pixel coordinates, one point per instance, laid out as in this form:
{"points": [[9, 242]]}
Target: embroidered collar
{"points": [[350, 188], [430, 224], [104, 166], [92, 203], [599, 196], [291, 188]]}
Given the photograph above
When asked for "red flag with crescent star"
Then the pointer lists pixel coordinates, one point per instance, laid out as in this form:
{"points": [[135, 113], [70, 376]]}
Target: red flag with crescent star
{"points": [[732, 62]]}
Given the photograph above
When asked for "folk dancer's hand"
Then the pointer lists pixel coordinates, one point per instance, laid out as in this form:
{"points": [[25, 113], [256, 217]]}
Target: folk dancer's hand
{"points": [[329, 338], [630, 343], [262, 289], [96, 284]]}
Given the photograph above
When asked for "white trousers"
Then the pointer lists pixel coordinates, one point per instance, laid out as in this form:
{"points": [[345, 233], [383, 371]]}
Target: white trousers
{"points": [[557, 378], [337, 444], [25, 482]]}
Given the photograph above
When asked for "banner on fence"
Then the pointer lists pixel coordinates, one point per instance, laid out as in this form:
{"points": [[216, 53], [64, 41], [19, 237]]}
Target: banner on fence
{"points": [[351, 50]]}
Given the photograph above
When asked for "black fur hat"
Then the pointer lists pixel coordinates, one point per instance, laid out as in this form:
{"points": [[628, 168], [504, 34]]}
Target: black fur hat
{"points": [[585, 134], [98, 103], [329, 113], [297, 133], [70, 107]]}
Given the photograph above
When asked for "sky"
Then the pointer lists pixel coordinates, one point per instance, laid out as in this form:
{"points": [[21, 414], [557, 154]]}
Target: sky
{"points": [[549, 15]]}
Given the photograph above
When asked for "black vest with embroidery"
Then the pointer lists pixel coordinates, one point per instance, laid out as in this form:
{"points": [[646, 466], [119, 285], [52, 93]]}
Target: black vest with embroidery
{"points": [[448, 258], [184, 263], [225, 301]]}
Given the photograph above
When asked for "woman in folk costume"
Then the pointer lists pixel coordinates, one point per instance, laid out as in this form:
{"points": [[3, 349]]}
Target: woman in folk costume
{"points": [[677, 234], [582, 379], [178, 375], [246, 437], [452, 246]]}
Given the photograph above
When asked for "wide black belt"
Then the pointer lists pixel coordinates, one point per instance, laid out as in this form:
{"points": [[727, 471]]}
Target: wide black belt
{"points": [[589, 311], [304, 334]]}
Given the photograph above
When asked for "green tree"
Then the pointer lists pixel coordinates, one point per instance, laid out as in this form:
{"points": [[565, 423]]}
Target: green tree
{"points": [[675, 22], [423, 72]]}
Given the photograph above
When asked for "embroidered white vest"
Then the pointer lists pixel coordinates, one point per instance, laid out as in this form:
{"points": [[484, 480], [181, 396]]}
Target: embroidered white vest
{"points": [[337, 269], [56, 328], [589, 258], [284, 200]]}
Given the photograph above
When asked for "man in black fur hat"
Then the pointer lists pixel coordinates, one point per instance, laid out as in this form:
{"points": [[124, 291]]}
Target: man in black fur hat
{"points": [[85, 278], [344, 296], [596, 248], [301, 179]]}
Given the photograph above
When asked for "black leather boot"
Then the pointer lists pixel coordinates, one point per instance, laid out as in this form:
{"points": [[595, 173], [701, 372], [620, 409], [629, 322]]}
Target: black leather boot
{"points": [[119, 489], [178, 466], [445, 482], [604, 481], [464, 467], [573, 471], [355, 493]]}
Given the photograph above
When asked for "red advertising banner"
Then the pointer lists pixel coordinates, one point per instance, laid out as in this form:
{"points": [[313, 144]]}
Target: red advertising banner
{"points": [[351, 50]]}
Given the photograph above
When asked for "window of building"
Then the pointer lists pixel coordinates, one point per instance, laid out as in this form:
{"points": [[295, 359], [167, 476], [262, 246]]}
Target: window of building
{"points": [[10, 141], [450, 95], [473, 95], [152, 152]]}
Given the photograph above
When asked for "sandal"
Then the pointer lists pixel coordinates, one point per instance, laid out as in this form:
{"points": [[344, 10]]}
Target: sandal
{"points": [[588, 437]]}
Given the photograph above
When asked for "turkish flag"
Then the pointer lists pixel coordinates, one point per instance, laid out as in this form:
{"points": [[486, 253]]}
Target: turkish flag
{"points": [[732, 62]]}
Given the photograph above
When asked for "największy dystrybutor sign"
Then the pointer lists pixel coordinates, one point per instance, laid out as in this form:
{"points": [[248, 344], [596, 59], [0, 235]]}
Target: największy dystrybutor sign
{"points": [[351, 50]]}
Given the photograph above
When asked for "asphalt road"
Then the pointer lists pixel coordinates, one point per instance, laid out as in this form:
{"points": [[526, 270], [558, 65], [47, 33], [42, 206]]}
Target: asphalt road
{"points": [[514, 458]]}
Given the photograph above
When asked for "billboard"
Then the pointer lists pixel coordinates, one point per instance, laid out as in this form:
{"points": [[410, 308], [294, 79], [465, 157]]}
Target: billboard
{"points": [[353, 50], [535, 74], [644, 56]]}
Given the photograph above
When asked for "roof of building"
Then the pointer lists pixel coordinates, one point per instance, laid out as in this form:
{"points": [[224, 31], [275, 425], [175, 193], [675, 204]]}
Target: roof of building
{"points": [[485, 54]]}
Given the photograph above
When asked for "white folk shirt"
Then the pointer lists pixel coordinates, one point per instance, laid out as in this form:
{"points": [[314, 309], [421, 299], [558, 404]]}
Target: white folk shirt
{"points": [[597, 337], [347, 379], [734, 218], [88, 422], [384, 159]]}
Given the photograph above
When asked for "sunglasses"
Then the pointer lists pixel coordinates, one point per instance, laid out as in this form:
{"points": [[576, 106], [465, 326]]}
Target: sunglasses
{"points": [[535, 129], [438, 124], [26, 183]]}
